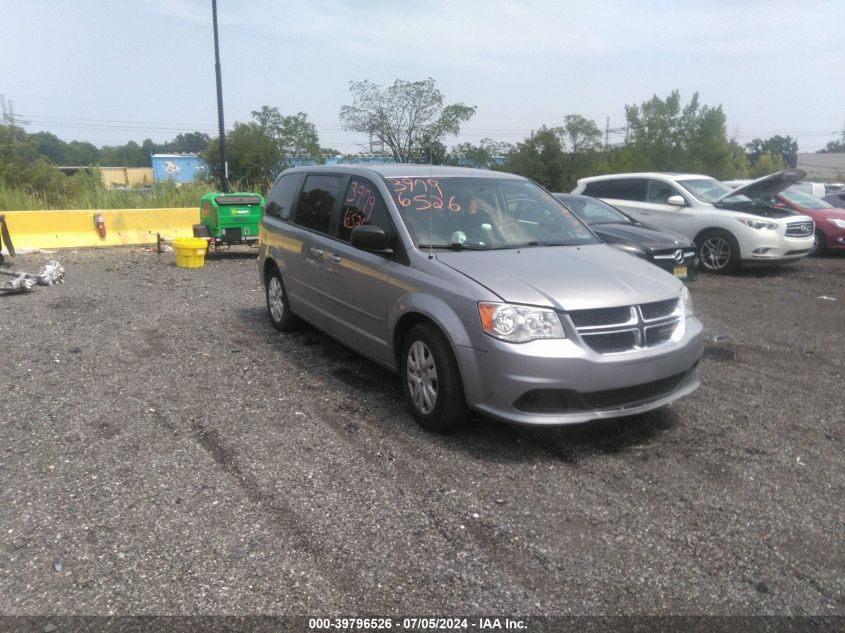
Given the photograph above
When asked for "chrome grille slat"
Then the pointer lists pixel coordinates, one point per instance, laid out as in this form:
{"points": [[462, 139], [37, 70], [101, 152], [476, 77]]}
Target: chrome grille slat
{"points": [[627, 328], [799, 229]]}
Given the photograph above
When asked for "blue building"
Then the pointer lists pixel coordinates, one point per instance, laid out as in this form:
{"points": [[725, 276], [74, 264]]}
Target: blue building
{"points": [[177, 167]]}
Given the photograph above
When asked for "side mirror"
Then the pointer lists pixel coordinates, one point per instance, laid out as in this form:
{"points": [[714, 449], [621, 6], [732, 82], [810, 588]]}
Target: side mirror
{"points": [[676, 200], [369, 238]]}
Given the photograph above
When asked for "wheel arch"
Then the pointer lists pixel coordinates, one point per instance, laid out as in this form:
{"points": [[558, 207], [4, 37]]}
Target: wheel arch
{"points": [[422, 308], [713, 229]]}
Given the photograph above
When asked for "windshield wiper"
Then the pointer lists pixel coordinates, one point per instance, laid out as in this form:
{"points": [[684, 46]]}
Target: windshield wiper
{"points": [[456, 246], [543, 243]]}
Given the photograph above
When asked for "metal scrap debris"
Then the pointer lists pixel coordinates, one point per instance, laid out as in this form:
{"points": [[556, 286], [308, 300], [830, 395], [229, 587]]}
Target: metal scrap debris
{"points": [[51, 273]]}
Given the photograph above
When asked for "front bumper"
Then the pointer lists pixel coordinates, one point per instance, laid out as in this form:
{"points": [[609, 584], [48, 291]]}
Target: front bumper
{"points": [[559, 382], [775, 249]]}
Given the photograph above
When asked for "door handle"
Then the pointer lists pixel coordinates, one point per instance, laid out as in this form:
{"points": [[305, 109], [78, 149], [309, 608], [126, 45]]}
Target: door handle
{"points": [[317, 252], [334, 258], [646, 212]]}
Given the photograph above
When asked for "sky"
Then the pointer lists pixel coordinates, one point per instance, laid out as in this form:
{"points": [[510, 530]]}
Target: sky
{"points": [[113, 71]]}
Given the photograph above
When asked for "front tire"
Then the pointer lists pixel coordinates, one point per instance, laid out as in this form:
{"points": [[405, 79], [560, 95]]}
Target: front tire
{"points": [[431, 380], [718, 252], [278, 308], [819, 244]]}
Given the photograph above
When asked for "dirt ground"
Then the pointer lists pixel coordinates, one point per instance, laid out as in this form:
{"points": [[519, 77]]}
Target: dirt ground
{"points": [[163, 450]]}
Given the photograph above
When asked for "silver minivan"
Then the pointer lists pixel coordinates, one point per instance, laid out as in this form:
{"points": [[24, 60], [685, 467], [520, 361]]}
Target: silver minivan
{"points": [[480, 289]]}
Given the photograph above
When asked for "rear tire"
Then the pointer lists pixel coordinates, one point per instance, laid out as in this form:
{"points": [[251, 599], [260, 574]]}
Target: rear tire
{"points": [[718, 252], [278, 308], [431, 380]]}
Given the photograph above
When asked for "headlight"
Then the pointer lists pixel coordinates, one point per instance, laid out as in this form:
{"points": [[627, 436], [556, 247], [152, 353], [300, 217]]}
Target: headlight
{"points": [[839, 223], [631, 250], [518, 324], [686, 301], [757, 224]]}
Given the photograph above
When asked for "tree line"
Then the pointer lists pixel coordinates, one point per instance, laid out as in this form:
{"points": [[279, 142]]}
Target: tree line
{"points": [[410, 121]]}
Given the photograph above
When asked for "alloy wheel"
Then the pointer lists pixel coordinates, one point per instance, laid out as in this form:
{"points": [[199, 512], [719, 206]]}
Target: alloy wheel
{"points": [[715, 253]]}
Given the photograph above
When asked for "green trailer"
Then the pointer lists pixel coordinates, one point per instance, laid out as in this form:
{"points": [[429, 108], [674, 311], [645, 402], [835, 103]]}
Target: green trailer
{"points": [[229, 218]]}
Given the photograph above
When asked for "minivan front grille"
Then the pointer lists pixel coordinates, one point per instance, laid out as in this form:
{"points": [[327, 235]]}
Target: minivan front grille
{"points": [[600, 316], [799, 229], [628, 328]]}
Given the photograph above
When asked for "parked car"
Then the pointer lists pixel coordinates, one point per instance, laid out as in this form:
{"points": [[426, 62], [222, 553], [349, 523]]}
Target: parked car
{"points": [[817, 189], [829, 220], [836, 199], [729, 226], [480, 289], [671, 251]]}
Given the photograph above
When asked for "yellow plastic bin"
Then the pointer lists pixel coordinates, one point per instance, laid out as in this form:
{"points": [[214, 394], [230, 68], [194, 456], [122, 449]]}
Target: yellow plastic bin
{"points": [[190, 252]]}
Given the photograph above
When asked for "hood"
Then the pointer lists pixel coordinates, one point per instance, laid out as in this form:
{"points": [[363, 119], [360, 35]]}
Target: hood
{"points": [[767, 187], [565, 277], [640, 235]]}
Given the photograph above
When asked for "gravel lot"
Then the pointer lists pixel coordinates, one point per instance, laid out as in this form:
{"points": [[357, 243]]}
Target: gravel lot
{"points": [[165, 451]]}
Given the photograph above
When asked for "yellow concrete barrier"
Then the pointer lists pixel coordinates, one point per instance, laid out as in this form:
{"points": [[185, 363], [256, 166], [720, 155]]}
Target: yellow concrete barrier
{"points": [[75, 229]]}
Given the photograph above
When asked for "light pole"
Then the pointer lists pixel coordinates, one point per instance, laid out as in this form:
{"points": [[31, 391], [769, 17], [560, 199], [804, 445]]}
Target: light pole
{"points": [[224, 164]]}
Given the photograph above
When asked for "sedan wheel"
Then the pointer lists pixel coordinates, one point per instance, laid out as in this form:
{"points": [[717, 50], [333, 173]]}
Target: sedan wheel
{"points": [[819, 246], [719, 252]]}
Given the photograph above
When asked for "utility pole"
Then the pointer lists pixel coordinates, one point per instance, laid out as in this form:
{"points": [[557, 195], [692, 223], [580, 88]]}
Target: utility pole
{"points": [[224, 164], [606, 133]]}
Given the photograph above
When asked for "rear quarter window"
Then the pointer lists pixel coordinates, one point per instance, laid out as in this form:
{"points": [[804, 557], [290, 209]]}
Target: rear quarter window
{"points": [[317, 201], [618, 189], [281, 198]]}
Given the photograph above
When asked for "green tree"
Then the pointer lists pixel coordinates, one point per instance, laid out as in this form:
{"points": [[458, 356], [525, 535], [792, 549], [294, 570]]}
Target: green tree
{"points": [[51, 147], [409, 117], [295, 135], [129, 155], [785, 146], [663, 136], [835, 147], [540, 158], [23, 168], [767, 163], [187, 143], [581, 139], [259, 150], [484, 155]]}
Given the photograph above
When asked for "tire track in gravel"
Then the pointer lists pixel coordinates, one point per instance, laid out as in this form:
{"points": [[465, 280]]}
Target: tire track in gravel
{"points": [[343, 577]]}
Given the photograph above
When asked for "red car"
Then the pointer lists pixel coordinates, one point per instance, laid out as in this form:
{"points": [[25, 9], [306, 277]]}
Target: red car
{"points": [[830, 221]]}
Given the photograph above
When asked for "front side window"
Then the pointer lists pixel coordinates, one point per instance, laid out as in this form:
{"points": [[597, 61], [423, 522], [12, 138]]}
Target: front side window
{"points": [[709, 189], [659, 192], [484, 213], [317, 201], [362, 205]]}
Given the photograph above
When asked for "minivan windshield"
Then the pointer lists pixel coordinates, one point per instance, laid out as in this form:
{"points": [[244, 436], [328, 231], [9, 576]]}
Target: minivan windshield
{"points": [[484, 213], [710, 190]]}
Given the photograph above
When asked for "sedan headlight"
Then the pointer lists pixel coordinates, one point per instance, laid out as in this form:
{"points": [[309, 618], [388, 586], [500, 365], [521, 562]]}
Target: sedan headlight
{"points": [[631, 250], [757, 224], [836, 222], [686, 301], [518, 324]]}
